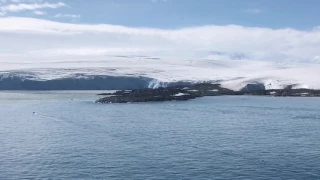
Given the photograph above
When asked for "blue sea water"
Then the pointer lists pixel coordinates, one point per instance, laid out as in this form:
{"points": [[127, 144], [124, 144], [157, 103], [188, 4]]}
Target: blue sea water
{"points": [[65, 135]]}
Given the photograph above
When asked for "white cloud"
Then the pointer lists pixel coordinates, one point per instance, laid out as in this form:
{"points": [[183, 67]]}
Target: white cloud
{"points": [[67, 15], [25, 35], [40, 13], [254, 11], [28, 7]]}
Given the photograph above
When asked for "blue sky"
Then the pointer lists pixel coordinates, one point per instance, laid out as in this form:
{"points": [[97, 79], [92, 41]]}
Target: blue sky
{"points": [[171, 14], [264, 30]]}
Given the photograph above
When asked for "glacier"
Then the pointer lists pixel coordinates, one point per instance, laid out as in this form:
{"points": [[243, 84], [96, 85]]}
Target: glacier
{"points": [[121, 72]]}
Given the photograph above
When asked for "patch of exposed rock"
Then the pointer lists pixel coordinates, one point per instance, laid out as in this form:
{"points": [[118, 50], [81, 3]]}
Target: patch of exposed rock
{"points": [[187, 92], [176, 93]]}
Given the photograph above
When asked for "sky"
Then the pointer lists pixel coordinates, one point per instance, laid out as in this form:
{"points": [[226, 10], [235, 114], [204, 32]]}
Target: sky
{"points": [[265, 30], [298, 14]]}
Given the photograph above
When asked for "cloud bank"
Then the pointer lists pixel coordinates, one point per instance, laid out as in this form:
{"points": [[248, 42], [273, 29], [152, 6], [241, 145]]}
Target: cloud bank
{"points": [[26, 7], [27, 39]]}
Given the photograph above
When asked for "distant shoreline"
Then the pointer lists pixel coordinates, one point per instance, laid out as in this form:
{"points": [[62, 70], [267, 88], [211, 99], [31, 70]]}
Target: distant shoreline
{"points": [[183, 93]]}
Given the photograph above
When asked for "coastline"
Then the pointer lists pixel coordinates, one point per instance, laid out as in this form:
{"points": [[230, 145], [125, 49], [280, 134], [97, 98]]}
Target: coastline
{"points": [[184, 93]]}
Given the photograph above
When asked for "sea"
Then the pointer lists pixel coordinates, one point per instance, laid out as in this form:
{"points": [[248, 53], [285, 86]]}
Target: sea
{"points": [[66, 135]]}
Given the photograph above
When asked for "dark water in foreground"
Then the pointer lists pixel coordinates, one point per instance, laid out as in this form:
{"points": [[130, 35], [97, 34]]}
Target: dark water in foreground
{"points": [[207, 138]]}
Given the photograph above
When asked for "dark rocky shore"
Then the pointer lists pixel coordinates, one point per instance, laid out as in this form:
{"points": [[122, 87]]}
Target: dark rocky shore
{"points": [[182, 93], [176, 93], [288, 92]]}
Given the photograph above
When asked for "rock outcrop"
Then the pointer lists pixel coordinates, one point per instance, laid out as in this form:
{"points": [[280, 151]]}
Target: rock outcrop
{"points": [[187, 92], [176, 93]]}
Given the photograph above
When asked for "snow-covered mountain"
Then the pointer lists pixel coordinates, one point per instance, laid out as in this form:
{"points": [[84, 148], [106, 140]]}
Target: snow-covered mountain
{"points": [[38, 53], [154, 72]]}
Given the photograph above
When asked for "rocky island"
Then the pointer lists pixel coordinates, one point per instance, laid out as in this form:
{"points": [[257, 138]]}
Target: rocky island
{"points": [[187, 92], [175, 93]]}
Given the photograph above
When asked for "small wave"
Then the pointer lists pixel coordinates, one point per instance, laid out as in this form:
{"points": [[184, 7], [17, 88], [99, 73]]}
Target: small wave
{"points": [[46, 116]]}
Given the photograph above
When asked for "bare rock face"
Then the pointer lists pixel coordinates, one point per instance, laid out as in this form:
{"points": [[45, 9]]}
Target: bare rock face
{"points": [[13, 82], [148, 95], [253, 88]]}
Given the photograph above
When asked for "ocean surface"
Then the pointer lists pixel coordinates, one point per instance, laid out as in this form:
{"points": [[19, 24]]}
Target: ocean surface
{"points": [[65, 135]]}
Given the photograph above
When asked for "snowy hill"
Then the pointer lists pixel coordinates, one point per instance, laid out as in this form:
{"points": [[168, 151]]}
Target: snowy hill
{"points": [[232, 74]]}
